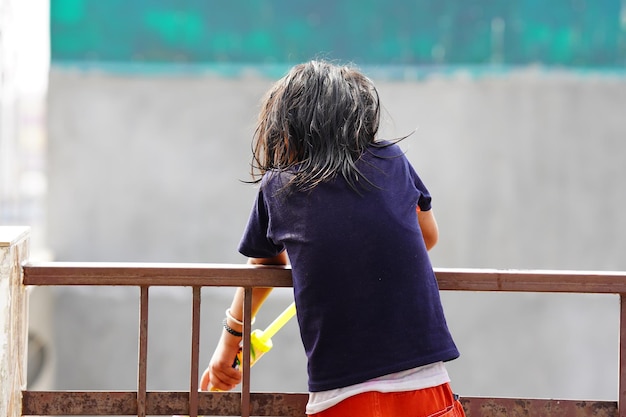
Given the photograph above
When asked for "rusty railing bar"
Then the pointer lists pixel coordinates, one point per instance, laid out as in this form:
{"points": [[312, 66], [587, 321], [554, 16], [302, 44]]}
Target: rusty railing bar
{"points": [[235, 275], [162, 403], [195, 352], [621, 398], [159, 403], [156, 274], [589, 282], [247, 329], [490, 407], [142, 370]]}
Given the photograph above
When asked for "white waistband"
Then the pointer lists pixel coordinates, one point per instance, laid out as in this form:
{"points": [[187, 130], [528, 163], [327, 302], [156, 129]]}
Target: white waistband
{"points": [[412, 379]]}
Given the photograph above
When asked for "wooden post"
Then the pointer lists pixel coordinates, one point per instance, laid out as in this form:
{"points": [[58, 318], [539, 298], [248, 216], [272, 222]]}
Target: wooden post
{"points": [[14, 248]]}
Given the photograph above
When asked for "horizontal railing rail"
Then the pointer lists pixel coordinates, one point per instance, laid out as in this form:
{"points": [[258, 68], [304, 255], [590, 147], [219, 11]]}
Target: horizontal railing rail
{"points": [[235, 275], [245, 403]]}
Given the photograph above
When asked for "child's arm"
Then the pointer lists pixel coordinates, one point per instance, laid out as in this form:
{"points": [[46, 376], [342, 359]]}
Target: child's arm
{"points": [[220, 373], [428, 224]]}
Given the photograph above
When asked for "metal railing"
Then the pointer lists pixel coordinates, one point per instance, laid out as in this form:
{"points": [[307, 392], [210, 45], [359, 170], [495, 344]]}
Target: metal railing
{"points": [[246, 403]]}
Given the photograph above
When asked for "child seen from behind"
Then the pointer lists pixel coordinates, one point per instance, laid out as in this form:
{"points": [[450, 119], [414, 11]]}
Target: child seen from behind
{"points": [[354, 220]]}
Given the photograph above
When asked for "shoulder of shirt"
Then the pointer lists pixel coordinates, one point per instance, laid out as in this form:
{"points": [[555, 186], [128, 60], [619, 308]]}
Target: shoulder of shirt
{"points": [[275, 179], [386, 149]]}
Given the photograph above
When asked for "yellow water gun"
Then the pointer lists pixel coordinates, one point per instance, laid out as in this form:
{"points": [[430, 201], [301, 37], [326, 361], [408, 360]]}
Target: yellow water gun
{"points": [[261, 340]]}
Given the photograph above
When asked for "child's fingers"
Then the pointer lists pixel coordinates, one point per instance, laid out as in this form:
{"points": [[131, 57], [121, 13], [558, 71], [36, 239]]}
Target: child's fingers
{"points": [[226, 379], [204, 381], [220, 377], [219, 385]]}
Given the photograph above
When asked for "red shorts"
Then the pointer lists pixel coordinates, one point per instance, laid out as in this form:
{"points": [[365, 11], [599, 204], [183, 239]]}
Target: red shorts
{"points": [[429, 402]]}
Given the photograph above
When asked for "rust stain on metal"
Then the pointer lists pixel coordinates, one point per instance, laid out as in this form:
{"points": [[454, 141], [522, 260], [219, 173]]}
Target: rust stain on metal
{"points": [[54, 403], [515, 407], [288, 404], [165, 403]]}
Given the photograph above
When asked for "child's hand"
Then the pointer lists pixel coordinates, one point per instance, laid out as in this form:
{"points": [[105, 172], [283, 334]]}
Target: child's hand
{"points": [[220, 374]]}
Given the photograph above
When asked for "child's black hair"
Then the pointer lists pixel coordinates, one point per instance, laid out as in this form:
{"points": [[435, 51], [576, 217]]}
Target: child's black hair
{"points": [[315, 123]]}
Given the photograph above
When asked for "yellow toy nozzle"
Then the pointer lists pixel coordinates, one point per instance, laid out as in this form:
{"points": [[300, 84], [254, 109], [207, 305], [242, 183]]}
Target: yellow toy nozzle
{"points": [[277, 324], [261, 340]]}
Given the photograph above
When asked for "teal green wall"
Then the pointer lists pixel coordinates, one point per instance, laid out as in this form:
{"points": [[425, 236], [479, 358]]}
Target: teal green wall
{"points": [[579, 33]]}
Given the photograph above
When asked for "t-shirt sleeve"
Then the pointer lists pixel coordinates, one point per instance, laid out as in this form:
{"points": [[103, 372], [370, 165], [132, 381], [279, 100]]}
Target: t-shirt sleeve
{"points": [[255, 242], [424, 200]]}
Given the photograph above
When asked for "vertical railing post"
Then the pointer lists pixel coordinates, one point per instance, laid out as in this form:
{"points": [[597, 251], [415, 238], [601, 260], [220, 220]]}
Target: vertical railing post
{"points": [[14, 247], [142, 371], [195, 352], [621, 399], [247, 329]]}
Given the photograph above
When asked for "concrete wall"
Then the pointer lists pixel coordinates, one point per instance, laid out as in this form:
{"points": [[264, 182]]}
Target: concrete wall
{"points": [[526, 168]]}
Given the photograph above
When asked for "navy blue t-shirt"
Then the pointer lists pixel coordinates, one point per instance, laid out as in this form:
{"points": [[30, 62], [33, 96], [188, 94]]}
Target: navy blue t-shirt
{"points": [[367, 299]]}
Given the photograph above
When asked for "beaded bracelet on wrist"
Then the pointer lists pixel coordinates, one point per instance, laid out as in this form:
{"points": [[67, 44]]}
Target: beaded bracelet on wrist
{"points": [[230, 329], [234, 320]]}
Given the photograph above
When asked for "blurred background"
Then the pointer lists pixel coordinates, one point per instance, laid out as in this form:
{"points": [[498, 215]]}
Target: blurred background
{"points": [[125, 131]]}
